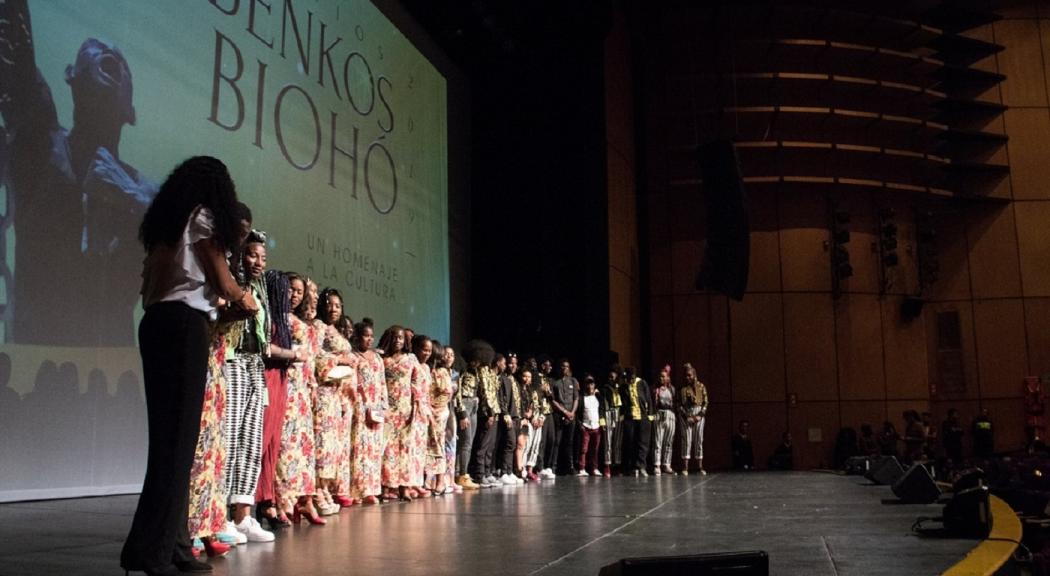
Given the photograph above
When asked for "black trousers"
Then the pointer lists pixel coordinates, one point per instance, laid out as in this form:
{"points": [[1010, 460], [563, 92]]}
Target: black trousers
{"points": [[565, 436], [508, 444], [635, 444], [484, 448], [173, 342], [548, 455]]}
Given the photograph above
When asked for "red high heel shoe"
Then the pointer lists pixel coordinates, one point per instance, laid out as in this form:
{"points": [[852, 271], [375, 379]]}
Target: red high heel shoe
{"points": [[313, 517], [370, 500], [344, 501], [214, 548]]}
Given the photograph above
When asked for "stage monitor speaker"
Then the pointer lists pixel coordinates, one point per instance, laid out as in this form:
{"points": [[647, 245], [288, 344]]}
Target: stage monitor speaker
{"points": [[754, 563], [726, 258], [885, 471], [968, 478], [917, 486], [911, 308], [968, 515], [857, 465]]}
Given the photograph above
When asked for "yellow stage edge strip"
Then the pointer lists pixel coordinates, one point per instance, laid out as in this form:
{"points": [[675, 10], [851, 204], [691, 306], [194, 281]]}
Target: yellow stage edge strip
{"points": [[990, 555]]}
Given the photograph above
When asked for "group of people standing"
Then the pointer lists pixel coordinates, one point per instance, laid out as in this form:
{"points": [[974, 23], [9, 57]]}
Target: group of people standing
{"points": [[544, 424], [261, 392]]}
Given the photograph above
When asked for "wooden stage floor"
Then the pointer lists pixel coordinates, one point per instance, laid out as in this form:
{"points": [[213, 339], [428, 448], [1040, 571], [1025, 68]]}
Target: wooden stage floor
{"points": [[809, 523]]}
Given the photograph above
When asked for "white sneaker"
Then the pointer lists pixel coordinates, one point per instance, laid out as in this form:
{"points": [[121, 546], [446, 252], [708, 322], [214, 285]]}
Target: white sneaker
{"points": [[232, 530], [657, 472], [251, 528], [547, 473], [582, 473], [519, 480], [703, 472], [507, 480]]}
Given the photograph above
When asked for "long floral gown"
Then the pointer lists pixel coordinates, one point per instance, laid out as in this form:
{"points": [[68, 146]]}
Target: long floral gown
{"points": [[328, 412], [297, 466], [416, 442], [337, 345], [207, 513], [368, 437], [440, 395], [396, 428]]}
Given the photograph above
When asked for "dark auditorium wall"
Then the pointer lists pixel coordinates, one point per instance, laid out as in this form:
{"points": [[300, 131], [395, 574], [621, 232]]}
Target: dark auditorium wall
{"points": [[625, 314], [789, 356]]}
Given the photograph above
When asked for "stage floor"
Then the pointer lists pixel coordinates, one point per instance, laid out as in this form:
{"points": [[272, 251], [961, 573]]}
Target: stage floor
{"points": [[809, 523]]}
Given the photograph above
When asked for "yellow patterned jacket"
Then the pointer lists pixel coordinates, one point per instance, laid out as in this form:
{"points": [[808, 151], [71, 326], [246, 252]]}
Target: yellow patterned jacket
{"points": [[488, 393]]}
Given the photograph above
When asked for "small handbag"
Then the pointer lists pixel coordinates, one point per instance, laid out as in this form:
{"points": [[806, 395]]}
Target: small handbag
{"points": [[375, 414], [338, 373]]}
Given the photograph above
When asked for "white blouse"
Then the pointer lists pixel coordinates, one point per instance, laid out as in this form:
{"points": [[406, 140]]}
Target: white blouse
{"points": [[175, 274]]}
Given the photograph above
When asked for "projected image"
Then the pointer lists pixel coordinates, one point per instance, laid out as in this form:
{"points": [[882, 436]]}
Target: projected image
{"points": [[333, 125], [74, 204]]}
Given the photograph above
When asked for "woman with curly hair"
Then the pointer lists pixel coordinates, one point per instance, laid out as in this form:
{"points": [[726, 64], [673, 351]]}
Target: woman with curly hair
{"points": [[334, 406], [398, 366], [421, 418], [370, 407], [187, 231], [439, 397]]}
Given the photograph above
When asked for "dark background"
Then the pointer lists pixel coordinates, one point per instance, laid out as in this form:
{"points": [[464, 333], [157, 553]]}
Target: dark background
{"points": [[538, 226]]}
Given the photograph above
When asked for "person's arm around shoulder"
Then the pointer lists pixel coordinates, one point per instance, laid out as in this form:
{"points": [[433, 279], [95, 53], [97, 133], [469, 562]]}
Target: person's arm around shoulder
{"points": [[217, 273]]}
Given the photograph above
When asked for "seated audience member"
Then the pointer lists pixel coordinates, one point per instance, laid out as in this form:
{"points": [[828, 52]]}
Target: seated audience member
{"points": [[867, 444], [783, 455], [888, 439], [914, 437], [743, 454]]}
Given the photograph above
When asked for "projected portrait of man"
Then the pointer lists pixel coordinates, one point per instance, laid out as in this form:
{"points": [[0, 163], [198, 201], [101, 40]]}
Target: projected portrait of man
{"points": [[75, 205]]}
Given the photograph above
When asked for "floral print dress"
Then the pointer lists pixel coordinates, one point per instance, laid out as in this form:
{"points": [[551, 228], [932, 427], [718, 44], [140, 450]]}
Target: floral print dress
{"points": [[368, 435], [328, 410], [207, 512], [440, 396], [397, 427], [297, 464], [338, 409], [416, 443]]}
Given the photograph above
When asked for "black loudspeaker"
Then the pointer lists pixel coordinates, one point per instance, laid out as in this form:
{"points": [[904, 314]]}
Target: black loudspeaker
{"points": [[857, 465], [885, 471], [968, 478], [911, 308], [968, 515], [917, 486], [723, 564], [725, 264]]}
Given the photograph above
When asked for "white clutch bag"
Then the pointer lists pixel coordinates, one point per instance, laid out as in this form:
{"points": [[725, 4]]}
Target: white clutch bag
{"points": [[340, 372]]}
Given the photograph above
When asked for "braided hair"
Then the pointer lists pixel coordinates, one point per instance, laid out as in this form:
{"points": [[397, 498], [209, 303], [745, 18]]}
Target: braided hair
{"points": [[277, 288]]}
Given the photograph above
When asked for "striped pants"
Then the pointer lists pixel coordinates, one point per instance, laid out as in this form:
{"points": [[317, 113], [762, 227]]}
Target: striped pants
{"points": [[663, 446], [245, 386], [693, 438], [532, 445], [612, 443]]}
